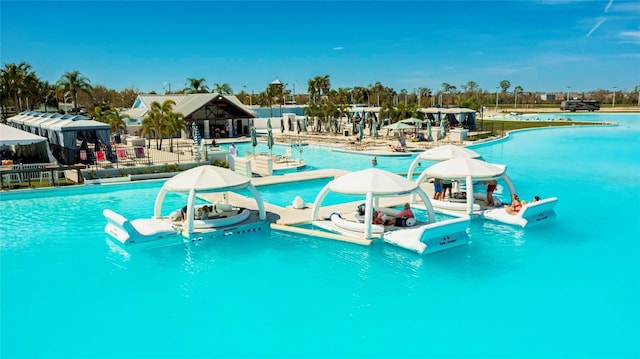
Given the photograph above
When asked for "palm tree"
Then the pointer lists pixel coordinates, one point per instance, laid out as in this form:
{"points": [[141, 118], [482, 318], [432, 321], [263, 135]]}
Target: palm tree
{"points": [[116, 120], [13, 82], [48, 93], [157, 120], [151, 126], [196, 86], [223, 89], [175, 124], [73, 82], [319, 86], [96, 114]]}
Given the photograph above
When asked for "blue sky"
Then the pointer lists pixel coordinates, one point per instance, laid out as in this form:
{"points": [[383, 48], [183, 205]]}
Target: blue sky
{"points": [[545, 45]]}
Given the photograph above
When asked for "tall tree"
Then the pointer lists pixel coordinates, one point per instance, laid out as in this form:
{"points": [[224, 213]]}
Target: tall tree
{"points": [[14, 79], [48, 93], [223, 89], [116, 120], [73, 82], [504, 85], [156, 121], [175, 124], [196, 86]]}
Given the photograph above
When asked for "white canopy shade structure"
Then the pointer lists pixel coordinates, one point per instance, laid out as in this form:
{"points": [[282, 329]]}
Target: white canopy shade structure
{"points": [[206, 179], [372, 183], [398, 126], [63, 130], [25, 142], [415, 121], [442, 153], [468, 169]]}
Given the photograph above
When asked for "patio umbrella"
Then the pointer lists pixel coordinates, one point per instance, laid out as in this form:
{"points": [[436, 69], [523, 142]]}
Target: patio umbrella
{"points": [[299, 127], [305, 123], [428, 130], [254, 139], [196, 134], [360, 130], [443, 127], [270, 140], [269, 136], [416, 121], [397, 126], [374, 128], [290, 124], [282, 125]]}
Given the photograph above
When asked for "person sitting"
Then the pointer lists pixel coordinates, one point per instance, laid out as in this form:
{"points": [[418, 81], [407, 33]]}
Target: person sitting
{"points": [[515, 207], [403, 143], [403, 217], [535, 199], [406, 212], [377, 217], [460, 195]]}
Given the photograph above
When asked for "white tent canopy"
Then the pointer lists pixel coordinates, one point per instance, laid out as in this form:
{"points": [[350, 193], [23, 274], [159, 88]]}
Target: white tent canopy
{"points": [[64, 130], [10, 136], [461, 167], [442, 153], [376, 181], [467, 169], [24, 143], [206, 179], [372, 183]]}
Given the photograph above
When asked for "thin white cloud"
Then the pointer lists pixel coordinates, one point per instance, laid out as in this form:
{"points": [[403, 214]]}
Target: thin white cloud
{"points": [[606, 9], [631, 36], [629, 55], [338, 48], [599, 22]]}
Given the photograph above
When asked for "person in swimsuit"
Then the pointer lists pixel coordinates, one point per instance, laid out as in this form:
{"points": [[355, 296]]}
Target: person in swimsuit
{"points": [[515, 207], [437, 189], [491, 186], [406, 212], [447, 186]]}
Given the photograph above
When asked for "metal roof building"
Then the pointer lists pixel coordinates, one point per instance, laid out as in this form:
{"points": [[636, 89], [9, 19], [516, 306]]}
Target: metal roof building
{"points": [[210, 111]]}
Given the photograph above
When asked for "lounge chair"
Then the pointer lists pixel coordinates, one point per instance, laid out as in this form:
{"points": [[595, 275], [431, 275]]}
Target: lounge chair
{"points": [[286, 157], [123, 158], [398, 148], [101, 160]]}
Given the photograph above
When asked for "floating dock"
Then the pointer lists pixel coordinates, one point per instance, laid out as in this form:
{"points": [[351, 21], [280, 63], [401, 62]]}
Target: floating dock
{"points": [[286, 218]]}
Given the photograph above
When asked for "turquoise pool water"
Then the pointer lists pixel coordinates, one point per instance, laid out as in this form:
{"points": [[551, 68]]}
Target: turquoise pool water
{"points": [[567, 289]]}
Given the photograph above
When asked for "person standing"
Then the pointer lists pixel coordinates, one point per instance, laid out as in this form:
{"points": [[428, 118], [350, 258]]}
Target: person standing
{"points": [[447, 185], [233, 151], [491, 187], [437, 189]]}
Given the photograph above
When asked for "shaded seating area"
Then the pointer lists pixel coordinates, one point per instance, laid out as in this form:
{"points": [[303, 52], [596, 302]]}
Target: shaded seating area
{"points": [[66, 134]]}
